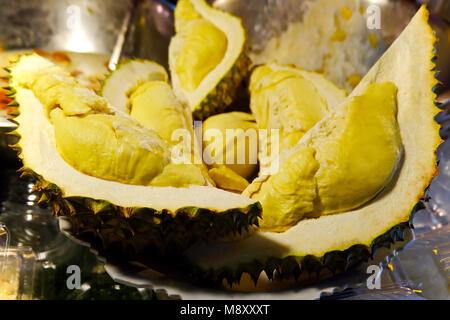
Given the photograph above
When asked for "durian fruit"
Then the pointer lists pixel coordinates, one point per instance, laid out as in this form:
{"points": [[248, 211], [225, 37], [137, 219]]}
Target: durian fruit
{"points": [[117, 181], [291, 101], [332, 243], [230, 147], [207, 57]]}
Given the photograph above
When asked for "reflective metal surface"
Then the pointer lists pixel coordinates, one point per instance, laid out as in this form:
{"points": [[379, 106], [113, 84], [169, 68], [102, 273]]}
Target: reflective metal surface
{"points": [[86, 26], [71, 25]]}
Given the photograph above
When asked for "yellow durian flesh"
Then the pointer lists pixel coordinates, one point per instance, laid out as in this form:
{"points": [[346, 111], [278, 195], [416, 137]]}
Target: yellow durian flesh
{"points": [[53, 86], [204, 47], [289, 195], [155, 106], [340, 166], [286, 101], [241, 141], [184, 13], [357, 164], [109, 147], [227, 179], [179, 176]]}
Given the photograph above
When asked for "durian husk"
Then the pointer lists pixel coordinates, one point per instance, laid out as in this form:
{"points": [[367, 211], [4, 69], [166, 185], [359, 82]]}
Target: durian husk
{"points": [[226, 91], [136, 230], [295, 271]]}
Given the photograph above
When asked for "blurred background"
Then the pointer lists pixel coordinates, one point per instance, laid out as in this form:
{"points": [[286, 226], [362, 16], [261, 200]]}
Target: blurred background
{"points": [[35, 265], [94, 25]]}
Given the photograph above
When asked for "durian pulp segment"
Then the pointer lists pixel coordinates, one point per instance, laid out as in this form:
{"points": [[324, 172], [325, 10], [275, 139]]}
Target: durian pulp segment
{"points": [[54, 87], [291, 101], [347, 160], [227, 179], [203, 48], [108, 147], [237, 150], [288, 102], [153, 104], [184, 13], [97, 141]]}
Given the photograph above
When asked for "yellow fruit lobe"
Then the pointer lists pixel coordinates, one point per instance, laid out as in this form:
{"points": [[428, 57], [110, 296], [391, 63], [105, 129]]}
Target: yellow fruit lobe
{"points": [[359, 161], [155, 106], [184, 13], [109, 147], [227, 179], [54, 87], [203, 48], [179, 176], [286, 101], [345, 162], [236, 146]]}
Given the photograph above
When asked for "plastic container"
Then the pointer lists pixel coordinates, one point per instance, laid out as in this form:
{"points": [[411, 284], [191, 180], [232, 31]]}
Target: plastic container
{"points": [[17, 268]]}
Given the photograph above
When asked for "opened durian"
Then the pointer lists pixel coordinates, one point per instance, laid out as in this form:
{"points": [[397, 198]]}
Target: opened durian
{"points": [[340, 231], [94, 162], [207, 57], [350, 169]]}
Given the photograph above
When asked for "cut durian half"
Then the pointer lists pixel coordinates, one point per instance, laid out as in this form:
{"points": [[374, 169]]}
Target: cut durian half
{"points": [[207, 57], [336, 242], [121, 214]]}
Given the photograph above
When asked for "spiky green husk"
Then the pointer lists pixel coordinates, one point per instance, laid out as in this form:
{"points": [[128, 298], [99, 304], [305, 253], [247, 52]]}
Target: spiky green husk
{"points": [[136, 230], [226, 91], [304, 269]]}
